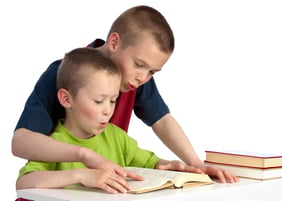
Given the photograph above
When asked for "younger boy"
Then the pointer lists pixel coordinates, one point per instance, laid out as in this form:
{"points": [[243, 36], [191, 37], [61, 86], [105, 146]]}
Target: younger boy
{"points": [[88, 85]]}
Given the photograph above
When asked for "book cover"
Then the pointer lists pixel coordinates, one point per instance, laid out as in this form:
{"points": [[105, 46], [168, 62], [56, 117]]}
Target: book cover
{"points": [[249, 159], [259, 173], [159, 179]]}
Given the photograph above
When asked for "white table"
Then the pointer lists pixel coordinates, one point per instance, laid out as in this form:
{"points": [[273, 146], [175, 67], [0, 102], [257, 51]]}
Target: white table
{"points": [[245, 190]]}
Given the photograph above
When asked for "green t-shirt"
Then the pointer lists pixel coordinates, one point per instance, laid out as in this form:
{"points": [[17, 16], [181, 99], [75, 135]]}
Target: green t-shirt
{"points": [[113, 144]]}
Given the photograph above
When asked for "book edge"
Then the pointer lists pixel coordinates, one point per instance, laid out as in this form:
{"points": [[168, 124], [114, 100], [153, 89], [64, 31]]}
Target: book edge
{"points": [[246, 166], [244, 155], [168, 184], [261, 177]]}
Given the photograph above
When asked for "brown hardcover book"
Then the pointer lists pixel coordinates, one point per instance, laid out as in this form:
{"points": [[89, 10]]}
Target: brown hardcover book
{"points": [[259, 160], [250, 172], [160, 179]]}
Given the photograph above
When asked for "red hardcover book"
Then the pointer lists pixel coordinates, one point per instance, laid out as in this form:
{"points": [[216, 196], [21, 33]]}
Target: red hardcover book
{"points": [[251, 165], [250, 172], [250, 159]]}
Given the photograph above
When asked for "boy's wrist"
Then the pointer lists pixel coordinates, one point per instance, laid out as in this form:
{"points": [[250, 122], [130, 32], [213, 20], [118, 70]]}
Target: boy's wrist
{"points": [[198, 164], [78, 175], [84, 155], [89, 158]]}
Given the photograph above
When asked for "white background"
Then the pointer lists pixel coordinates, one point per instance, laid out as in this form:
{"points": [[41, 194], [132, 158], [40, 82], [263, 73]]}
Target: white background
{"points": [[223, 82]]}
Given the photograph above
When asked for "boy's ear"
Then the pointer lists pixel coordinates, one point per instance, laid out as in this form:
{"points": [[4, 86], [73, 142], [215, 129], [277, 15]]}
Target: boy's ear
{"points": [[113, 41], [64, 98]]}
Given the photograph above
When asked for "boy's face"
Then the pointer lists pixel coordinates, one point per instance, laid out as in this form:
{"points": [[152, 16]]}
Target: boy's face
{"points": [[138, 63], [94, 104]]}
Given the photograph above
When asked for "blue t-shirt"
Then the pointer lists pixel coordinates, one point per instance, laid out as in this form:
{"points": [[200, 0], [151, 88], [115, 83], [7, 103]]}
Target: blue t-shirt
{"points": [[42, 109]]}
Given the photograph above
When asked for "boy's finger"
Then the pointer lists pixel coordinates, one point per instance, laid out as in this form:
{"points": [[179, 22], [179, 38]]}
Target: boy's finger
{"points": [[194, 169], [126, 173], [120, 185], [134, 176]]}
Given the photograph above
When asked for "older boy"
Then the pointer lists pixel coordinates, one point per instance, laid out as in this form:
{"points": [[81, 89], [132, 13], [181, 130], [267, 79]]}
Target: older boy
{"points": [[139, 42]]}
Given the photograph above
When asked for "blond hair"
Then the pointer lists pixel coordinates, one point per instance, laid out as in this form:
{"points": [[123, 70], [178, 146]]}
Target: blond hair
{"points": [[74, 68], [140, 20]]}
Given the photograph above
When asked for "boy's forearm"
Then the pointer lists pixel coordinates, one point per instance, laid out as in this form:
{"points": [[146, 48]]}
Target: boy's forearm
{"points": [[35, 146], [39, 147], [48, 179], [170, 132]]}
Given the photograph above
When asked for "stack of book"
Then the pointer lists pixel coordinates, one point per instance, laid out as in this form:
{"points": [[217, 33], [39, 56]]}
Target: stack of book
{"points": [[259, 166]]}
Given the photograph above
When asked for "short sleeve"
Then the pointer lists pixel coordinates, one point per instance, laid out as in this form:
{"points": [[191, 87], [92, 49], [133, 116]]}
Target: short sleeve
{"points": [[42, 109], [149, 105]]}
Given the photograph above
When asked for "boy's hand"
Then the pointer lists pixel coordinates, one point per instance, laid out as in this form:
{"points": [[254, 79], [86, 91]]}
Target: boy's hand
{"points": [[103, 179], [93, 160], [177, 166], [212, 171], [221, 174]]}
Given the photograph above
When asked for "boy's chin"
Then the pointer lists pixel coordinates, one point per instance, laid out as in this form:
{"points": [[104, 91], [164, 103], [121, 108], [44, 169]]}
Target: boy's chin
{"points": [[122, 90], [126, 89]]}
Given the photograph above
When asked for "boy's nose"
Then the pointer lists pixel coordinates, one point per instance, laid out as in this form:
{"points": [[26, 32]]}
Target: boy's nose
{"points": [[142, 78], [107, 110]]}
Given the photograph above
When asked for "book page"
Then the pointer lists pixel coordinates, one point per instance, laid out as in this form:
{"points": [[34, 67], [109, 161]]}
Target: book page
{"points": [[191, 179], [164, 174], [152, 178]]}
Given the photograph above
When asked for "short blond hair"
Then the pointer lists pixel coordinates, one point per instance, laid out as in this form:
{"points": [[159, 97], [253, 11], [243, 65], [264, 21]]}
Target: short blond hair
{"points": [[74, 68], [138, 20]]}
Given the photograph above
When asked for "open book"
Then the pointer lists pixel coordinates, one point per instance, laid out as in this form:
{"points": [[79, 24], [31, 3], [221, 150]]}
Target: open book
{"points": [[155, 179]]}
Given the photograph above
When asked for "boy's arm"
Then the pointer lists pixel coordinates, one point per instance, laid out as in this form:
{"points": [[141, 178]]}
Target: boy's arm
{"points": [[39, 147], [172, 135], [94, 178], [47, 179]]}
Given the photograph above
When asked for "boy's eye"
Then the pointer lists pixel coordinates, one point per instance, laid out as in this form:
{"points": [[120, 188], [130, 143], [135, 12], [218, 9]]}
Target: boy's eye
{"points": [[98, 101], [113, 101], [138, 65]]}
